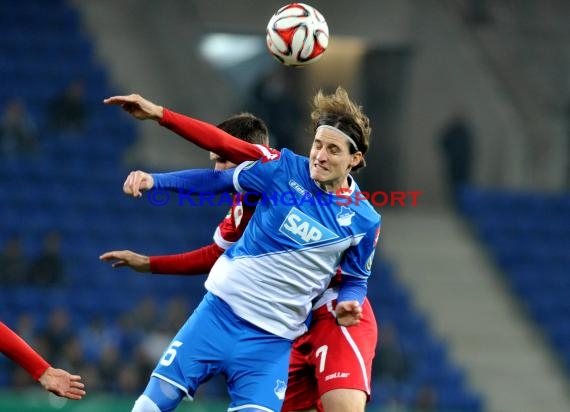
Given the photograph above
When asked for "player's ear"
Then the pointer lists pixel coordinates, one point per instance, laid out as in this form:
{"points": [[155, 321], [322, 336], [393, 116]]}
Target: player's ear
{"points": [[356, 159]]}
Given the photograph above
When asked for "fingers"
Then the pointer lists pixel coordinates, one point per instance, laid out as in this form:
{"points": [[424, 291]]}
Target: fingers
{"points": [[120, 100], [110, 255], [349, 313], [76, 390], [121, 256], [128, 185], [356, 309], [74, 394], [62, 383], [136, 181], [76, 381], [351, 306]]}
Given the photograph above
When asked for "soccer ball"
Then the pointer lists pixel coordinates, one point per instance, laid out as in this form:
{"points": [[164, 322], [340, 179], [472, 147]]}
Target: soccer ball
{"points": [[297, 34]]}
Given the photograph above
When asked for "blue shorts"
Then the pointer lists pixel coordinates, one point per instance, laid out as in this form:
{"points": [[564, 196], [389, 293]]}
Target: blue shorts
{"points": [[214, 340]]}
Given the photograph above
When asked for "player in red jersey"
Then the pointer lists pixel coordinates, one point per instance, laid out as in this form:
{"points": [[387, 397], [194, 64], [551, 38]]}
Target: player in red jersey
{"points": [[331, 365], [197, 262], [57, 381]]}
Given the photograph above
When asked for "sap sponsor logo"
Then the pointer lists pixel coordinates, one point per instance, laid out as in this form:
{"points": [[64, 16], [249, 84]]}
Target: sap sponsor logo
{"points": [[279, 389], [299, 189], [337, 375], [304, 229]]}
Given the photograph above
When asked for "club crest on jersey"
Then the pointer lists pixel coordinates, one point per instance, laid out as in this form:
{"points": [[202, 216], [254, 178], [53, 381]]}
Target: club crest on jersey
{"points": [[304, 229], [344, 217], [279, 389]]}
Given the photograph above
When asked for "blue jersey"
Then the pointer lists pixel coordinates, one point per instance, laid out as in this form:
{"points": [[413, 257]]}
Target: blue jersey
{"points": [[293, 245]]}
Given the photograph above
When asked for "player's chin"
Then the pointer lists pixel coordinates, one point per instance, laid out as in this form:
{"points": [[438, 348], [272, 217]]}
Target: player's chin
{"points": [[319, 175]]}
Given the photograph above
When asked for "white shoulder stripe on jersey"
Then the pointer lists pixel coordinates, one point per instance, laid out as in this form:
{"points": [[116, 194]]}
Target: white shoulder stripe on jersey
{"points": [[220, 241], [354, 347], [237, 171], [300, 249], [357, 238]]}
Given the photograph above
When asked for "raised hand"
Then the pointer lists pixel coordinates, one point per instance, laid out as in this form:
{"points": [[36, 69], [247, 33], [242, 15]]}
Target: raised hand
{"points": [[348, 313], [137, 182], [62, 383], [137, 106], [135, 261]]}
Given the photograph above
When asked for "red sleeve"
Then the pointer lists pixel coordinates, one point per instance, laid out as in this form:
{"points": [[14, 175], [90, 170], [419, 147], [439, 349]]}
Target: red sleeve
{"points": [[196, 262], [20, 352], [209, 137]]}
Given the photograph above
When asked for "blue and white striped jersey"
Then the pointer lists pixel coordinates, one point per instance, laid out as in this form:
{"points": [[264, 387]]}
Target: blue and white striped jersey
{"points": [[293, 245]]}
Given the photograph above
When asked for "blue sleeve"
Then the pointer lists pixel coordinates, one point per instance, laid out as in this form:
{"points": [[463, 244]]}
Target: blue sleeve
{"points": [[258, 176], [352, 288], [196, 180], [357, 261]]}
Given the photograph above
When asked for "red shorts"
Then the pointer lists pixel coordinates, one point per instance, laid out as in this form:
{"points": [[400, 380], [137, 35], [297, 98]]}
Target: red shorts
{"points": [[330, 357]]}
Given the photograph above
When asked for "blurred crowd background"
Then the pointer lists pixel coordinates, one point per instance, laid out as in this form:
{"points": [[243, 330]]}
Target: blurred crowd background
{"points": [[470, 105]]}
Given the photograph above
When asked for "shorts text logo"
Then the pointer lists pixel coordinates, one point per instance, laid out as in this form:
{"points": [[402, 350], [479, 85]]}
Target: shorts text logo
{"points": [[337, 375]]}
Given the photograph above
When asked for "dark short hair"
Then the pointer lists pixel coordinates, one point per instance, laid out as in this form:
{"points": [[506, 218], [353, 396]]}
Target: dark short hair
{"points": [[246, 126]]}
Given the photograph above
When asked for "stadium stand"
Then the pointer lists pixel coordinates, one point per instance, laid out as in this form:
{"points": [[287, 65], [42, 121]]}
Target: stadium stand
{"points": [[528, 236], [73, 185]]}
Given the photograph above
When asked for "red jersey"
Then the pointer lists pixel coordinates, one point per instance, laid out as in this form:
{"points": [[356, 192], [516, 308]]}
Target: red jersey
{"points": [[235, 150]]}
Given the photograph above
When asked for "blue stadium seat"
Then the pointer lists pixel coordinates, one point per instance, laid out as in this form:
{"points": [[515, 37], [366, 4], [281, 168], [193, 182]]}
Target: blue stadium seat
{"points": [[529, 235]]}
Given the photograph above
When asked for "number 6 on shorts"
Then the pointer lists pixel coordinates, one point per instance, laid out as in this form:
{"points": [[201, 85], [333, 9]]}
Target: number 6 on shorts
{"points": [[170, 353]]}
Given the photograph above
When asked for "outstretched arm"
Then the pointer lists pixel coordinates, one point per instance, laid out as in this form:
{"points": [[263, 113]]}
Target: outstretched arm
{"points": [[196, 180], [57, 381], [202, 134], [209, 137], [195, 262]]}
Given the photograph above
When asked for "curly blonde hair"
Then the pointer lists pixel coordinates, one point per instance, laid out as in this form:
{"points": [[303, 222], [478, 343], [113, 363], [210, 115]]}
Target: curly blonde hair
{"points": [[339, 111]]}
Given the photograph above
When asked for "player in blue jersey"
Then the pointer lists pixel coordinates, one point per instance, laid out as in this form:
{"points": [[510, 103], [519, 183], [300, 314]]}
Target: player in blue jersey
{"points": [[260, 291]]}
